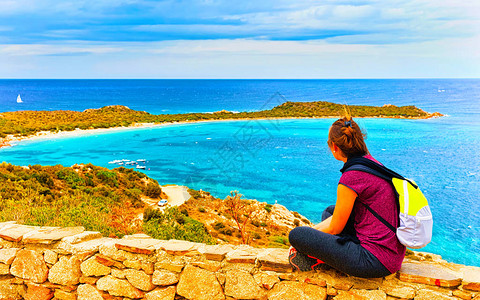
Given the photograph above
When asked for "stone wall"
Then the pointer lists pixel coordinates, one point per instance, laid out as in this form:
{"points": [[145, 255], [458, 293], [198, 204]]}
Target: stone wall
{"points": [[70, 263]]}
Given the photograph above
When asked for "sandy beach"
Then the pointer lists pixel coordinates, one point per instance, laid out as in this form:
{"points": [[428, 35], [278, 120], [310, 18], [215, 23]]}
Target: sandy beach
{"points": [[177, 194], [11, 140]]}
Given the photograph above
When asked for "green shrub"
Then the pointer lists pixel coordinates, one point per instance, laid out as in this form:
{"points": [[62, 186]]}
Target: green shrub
{"points": [[278, 242], [268, 207], [409, 252], [44, 179], [133, 194], [226, 231], [89, 180], [108, 177], [180, 219], [218, 225], [172, 224], [103, 191], [150, 213], [153, 190], [45, 191], [71, 177], [280, 239], [195, 194]]}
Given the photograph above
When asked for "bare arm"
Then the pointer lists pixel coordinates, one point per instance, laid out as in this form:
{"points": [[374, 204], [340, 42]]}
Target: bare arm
{"points": [[343, 208], [324, 225]]}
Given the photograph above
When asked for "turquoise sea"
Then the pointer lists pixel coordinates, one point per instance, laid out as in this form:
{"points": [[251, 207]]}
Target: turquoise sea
{"points": [[284, 161]]}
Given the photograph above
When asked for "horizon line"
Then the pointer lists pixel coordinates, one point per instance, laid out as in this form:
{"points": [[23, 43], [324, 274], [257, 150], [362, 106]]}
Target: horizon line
{"points": [[349, 78]]}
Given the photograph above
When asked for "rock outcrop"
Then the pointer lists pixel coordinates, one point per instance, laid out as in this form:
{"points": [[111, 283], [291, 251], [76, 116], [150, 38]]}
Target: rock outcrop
{"points": [[70, 264]]}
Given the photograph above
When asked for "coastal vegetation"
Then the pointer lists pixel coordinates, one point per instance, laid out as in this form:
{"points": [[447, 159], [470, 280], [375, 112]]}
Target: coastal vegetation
{"points": [[172, 223], [236, 220], [118, 202], [26, 123], [99, 199]]}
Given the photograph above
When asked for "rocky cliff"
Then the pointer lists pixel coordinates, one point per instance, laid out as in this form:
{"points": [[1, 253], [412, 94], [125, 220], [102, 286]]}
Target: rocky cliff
{"points": [[70, 263]]}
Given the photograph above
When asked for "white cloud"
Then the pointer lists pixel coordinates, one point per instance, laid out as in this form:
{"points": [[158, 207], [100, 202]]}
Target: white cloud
{"points": [[351, 12], [66, 33], [243, 58], [10, 6], [394, 13], [42, 49], [252, 47], [414, 20]]}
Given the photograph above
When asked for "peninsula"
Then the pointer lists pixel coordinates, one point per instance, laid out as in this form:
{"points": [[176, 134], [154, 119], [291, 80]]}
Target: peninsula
{"points": [[25, 124]]}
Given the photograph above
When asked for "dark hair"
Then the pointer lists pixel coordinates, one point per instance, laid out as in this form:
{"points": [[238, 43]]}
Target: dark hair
{"points": [[347, 135]]}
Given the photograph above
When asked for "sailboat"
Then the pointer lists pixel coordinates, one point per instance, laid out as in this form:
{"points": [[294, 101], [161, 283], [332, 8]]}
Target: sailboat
{"points": [[19, 100]]}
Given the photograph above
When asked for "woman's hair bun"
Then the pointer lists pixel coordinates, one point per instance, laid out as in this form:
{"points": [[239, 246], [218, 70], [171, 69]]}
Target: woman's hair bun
{"points": [[347, 135]]}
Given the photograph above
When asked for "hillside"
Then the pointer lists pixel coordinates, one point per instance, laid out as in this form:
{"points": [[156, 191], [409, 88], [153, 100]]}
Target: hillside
{"points": [[26, 123], [262, 224], [99, 199], [118, 202]]}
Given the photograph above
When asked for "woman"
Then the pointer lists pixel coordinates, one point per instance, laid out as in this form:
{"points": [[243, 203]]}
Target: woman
{"points": [[350, 238]]}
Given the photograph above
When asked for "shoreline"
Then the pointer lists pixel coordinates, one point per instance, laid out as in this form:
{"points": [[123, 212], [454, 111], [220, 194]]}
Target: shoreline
{"points": [[10, 140]]}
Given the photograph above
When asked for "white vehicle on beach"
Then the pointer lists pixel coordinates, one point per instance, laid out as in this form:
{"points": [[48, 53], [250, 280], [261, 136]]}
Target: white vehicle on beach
{"points": [[162, 202]]}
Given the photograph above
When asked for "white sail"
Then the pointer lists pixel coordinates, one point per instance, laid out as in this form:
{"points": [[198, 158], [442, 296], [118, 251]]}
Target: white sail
{"points": [[19, 100]]}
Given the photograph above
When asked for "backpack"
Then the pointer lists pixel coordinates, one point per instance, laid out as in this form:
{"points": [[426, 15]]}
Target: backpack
{"points": [[416, 221]]}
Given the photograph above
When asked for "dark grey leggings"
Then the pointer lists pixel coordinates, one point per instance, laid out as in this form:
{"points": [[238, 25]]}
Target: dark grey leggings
{"points": [[342, 252]]}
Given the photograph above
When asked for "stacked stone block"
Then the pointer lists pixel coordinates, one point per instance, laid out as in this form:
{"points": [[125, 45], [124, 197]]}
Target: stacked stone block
{"points": [[71, 263]]}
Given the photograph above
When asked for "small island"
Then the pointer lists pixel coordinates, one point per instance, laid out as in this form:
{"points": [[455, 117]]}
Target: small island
{"points": [[23, 124]]}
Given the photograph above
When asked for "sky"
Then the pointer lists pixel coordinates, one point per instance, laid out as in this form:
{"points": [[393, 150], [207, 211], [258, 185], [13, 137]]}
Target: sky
{"points": [[239, 39]]}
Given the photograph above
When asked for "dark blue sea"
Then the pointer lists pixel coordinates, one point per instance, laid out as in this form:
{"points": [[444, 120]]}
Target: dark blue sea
{"points": [[285, 161]]}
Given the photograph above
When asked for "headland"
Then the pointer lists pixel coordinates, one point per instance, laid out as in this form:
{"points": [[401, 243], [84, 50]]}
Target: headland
{"points": [[20, 125]]}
